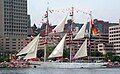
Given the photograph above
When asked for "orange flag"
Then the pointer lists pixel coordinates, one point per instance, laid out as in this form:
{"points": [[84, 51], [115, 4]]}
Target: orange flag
{"points": [[94, 30]]}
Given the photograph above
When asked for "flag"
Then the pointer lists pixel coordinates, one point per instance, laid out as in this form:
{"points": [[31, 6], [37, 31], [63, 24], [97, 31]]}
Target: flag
{"points": [[94, 30]]}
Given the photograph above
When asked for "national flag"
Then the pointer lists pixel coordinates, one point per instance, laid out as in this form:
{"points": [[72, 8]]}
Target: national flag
{"points": [[94, 30]]}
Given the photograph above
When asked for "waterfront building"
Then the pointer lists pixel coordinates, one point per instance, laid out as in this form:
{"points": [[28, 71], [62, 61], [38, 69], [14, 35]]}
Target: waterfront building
{"points": [[13, 18], [28, 25], [14, 23], [97, 39], [13, 44], [105, 48], [114, 37], [102, 26], [105, 44]]}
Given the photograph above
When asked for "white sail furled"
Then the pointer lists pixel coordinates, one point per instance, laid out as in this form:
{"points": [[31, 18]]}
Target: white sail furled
{"points": [[81, 33], [60, 26], [82, 52], [30, 47], [58, 51], [32, 54]]}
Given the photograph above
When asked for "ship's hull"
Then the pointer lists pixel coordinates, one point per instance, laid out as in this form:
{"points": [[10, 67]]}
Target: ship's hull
{"points": [[66, 65]]}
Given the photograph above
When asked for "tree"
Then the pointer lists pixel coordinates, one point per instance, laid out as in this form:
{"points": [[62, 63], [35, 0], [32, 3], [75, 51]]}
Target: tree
{"points": [[66, 53], [40, 53], [49, 50], [96, 54], [108, 56], [116, 58], [4, 58]]}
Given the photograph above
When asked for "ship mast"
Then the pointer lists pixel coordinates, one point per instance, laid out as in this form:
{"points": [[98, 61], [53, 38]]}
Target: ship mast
{"points": [[70, 46], [90, 26], [46, 32]]}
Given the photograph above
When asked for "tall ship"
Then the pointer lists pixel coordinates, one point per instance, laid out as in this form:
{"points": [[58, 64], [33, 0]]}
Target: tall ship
{"points": [[30, 51]]}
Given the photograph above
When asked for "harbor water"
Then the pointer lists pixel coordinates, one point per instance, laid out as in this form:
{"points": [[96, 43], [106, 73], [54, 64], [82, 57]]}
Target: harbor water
{"points": [[60, 71]]}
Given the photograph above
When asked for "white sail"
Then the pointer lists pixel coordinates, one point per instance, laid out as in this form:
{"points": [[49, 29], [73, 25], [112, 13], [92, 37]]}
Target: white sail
{"points": [[58, 51], [30, 47], [82, 52], [81, 33], [60, 26], [32, 54]]}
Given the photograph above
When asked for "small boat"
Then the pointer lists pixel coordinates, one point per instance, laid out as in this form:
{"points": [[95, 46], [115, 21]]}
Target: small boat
{"points": [[113, 65]]}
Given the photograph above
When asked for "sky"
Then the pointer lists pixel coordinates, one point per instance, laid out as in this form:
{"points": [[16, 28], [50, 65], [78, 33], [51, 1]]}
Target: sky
{"points": [[107, 10]]}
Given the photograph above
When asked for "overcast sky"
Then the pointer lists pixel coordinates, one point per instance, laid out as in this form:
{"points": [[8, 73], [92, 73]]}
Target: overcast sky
{"points": [[108, 10]]}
